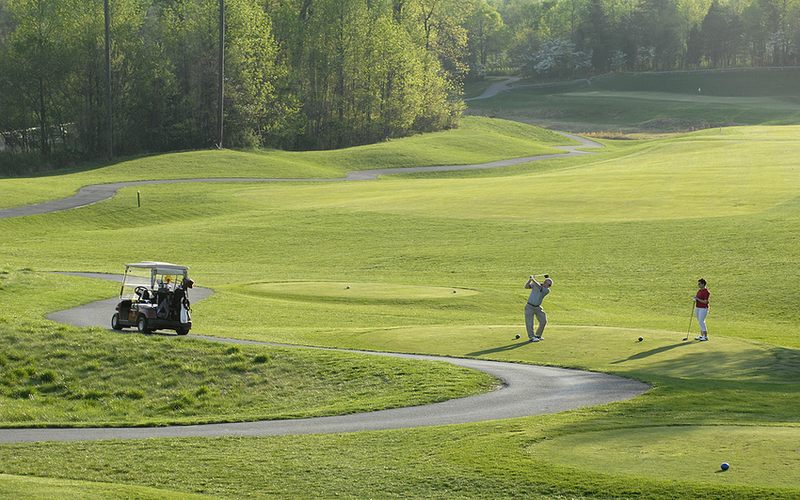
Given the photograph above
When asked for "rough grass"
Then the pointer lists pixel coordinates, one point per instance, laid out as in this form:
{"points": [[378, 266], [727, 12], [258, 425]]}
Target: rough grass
{"points": [[625, 233], [61, 376]]}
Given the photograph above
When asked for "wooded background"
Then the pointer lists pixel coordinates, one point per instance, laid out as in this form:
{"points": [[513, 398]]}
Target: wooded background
{"points": [[310, 74]]}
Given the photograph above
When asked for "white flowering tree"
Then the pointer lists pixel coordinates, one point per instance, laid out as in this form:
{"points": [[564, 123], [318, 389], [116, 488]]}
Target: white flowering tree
{"points": [[558, 58]]}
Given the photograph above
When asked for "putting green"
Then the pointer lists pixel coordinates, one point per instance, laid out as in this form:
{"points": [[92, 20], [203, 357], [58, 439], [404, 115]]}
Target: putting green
{"points": [[361, 292], [758, 456]]}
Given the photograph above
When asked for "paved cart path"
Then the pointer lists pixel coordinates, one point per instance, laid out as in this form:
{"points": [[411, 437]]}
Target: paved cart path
{"points": [[496, 88], [88, 195], [526, 390]]}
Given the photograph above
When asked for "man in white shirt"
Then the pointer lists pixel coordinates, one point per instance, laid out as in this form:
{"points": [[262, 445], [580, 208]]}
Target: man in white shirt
{"points": [[534, 307]]}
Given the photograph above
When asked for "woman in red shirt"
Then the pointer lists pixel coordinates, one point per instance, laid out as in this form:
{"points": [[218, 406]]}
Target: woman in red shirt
{"points": [[701, 308]]}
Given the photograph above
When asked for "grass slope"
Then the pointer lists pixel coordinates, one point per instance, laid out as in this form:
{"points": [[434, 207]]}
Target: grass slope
{"points": [[61, 376], [625, 233], [654, 102], [477, 140]]}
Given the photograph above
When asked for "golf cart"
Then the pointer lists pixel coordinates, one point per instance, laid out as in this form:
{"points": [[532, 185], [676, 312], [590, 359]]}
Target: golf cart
{"points": [[154, 296]]}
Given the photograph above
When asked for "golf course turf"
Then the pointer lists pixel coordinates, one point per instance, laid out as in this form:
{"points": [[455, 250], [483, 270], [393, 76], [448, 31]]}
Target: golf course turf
{"points": [[624, 232], [654, 101]]}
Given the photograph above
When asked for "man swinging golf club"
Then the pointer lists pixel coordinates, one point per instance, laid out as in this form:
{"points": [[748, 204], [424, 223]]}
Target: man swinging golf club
{"points": [[534, 306]]}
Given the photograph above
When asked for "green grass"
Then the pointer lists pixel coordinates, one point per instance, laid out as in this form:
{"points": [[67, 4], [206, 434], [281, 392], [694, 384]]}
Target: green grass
{"points": [[61, 376], [19, 487], [745, 82], [490, 460], [625, 233], [313, 291], [654, 102], [476, 140], [650, 451]]}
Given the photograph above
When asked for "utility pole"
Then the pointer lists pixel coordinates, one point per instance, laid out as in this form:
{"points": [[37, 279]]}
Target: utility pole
{"points": [[108, 81], [220, 109]]}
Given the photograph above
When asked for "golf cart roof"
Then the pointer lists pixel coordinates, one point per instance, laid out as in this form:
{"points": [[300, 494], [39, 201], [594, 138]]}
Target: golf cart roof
{"points": [[160, 267]]}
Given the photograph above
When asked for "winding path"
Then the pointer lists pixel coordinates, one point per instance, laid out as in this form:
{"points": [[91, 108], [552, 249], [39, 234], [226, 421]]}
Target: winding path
{"points": [[495, 88], [88, 195], [526, 390]]}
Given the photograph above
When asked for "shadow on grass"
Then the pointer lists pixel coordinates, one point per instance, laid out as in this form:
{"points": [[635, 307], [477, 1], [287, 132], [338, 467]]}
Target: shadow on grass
{"points": [[509, 347], [776, 365], [651, 352], [156, 333], [70, 167]]}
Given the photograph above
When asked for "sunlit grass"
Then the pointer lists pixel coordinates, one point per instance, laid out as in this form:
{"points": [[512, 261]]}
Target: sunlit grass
{"points": [[476, 140], [625, 233], [355, 292], [692, 452], [16, 487], [487, 460], [61, 376]]}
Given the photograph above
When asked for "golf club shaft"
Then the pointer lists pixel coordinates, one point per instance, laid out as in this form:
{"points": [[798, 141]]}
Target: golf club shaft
{"points": [[690, 323]]}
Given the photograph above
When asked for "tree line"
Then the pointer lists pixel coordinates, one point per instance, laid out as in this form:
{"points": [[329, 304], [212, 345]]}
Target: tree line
{"points": [[299, 74], [306, 74], [563, 38]]}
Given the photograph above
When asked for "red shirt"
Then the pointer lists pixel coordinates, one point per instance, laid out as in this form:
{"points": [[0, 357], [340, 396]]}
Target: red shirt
{"points": [[703, 293]]}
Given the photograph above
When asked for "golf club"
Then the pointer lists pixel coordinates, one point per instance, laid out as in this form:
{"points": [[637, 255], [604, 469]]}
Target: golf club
{"points": [[690, 324], [542, 275]]}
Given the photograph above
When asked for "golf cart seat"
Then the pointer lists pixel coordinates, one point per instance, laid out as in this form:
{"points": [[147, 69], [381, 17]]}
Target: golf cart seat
{"points": [[144, 294]]}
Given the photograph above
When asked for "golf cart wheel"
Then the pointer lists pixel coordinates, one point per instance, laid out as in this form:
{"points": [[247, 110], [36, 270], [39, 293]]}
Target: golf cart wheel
{"points": [[141, 325], [182, 330], [115, 322]]}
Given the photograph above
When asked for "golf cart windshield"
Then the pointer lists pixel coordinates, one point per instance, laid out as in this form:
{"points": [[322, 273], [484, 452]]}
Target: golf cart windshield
{"points": [[155, 276]]}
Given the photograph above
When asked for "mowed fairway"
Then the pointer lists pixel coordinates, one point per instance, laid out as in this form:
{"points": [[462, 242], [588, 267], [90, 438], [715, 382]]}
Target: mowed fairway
{"points": [[477, 140], [624, 232], [652, 101]]}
